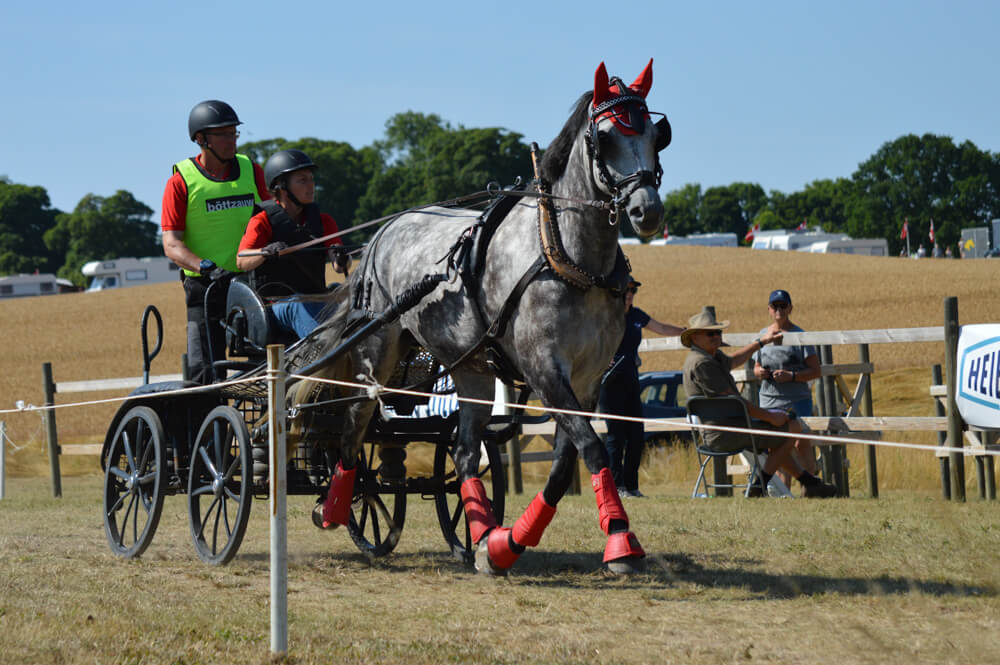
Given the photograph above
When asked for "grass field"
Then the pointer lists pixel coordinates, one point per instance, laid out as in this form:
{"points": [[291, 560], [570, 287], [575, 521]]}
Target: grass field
{"points": [[905, 579], [908, 578]]}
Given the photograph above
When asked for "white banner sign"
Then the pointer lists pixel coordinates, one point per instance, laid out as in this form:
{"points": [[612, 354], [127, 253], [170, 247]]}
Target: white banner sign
{"points": [[978, 386]]}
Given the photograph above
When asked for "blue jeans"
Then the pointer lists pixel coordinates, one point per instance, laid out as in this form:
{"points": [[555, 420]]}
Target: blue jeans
{"points": [[297, 316]]}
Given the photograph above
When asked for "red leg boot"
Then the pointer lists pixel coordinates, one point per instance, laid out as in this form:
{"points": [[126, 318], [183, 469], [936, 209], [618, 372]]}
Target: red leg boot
{"points": [[337, 507], [478, 511], [623, 553], [506, 545]]}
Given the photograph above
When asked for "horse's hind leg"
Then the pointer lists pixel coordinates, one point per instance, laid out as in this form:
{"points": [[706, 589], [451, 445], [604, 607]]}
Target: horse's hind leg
{"points": [[375, 358]]}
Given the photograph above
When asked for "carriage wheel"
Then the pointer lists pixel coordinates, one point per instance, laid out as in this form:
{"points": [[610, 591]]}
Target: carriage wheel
{"points": [[134, 482], [378, 511], [220, 485], [448, 501]]}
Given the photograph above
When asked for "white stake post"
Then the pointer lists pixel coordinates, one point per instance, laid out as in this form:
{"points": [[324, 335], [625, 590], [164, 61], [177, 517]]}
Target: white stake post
{"points": [[3, 458], [278, 484]]}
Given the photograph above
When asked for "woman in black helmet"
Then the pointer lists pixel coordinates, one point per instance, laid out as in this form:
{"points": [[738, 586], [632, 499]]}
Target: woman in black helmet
{"points": [[290, 219], [206, 205]]}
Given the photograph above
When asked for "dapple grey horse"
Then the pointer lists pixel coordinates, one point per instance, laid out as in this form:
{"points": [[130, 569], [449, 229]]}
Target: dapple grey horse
{"points": [[559, 336]]}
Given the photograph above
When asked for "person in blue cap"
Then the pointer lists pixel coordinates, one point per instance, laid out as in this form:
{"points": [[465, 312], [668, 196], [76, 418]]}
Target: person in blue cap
{"points": [[785, 372]]}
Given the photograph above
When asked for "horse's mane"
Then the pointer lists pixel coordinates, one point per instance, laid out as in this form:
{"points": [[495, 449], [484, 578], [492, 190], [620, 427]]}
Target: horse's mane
{"points": [[556, 156]]}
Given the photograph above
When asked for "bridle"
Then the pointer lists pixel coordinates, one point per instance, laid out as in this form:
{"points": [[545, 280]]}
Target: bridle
{"points": [[621, 190]]}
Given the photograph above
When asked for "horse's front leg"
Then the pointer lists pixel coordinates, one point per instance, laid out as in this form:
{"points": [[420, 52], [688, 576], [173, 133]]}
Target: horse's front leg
{"points": [[623, 554]]}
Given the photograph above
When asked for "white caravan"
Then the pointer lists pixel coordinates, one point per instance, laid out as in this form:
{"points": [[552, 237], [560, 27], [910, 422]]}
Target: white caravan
{"points": [[857, 246], [704, 239], [44, 284], [119, 273]]}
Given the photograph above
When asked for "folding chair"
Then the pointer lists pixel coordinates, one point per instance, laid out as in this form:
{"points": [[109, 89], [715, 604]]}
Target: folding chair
{"points": [[728, 409]]}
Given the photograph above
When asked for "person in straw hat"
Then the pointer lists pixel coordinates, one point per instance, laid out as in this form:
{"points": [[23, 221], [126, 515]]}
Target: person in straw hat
{"points": [[707, 372]]}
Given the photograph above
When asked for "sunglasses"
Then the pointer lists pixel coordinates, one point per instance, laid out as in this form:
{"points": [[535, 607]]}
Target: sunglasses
{"points": [[713, 333], [779, 305], [632, 290]]}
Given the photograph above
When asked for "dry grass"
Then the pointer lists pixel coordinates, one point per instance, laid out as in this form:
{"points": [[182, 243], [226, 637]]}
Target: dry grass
{"points": [[912, 579], [909, 578]]}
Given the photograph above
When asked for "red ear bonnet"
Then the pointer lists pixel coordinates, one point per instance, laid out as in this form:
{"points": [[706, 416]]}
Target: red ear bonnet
{"points": [[601, 92], [645, 80], [621, 114]]}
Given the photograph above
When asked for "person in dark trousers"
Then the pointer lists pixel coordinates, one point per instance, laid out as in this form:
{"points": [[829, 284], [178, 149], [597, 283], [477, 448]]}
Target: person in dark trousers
{"points": [[290, 219], [708, 372], [206, 206], [620, 396]]}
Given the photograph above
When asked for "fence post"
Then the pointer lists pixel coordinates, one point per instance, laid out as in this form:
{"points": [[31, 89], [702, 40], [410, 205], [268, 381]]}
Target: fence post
{"points": [[866, 409], [956, 461], [49, 418], [835, 457], [505, 394], [3, 458], [279, 487], [942, 438]]}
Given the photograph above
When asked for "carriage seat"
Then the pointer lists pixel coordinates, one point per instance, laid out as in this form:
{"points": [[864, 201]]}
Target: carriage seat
{"points": [[250, 326]]}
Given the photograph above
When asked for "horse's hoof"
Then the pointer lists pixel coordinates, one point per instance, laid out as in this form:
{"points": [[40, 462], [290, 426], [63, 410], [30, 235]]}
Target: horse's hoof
{"points": [[317, 517], [629, 565], [482, 561]]}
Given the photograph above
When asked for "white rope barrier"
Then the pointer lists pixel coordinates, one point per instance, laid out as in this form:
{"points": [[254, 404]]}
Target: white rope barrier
{"points": [[22, 407], [374, 389]]}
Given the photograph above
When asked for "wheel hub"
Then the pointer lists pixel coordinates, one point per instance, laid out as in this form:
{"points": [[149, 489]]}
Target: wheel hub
{"points": [[218, 484]]}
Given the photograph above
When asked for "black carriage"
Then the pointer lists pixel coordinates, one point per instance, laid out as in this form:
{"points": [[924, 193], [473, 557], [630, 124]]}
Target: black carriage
{"points": [[211, 443]]}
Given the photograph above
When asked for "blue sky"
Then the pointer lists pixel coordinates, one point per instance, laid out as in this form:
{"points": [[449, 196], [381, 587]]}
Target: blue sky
{"points": [[96, 95]]}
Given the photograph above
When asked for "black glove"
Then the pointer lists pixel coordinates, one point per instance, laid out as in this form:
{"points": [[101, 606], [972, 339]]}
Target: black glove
{"points": [[343, 259], [217, 274], [270, 251]]}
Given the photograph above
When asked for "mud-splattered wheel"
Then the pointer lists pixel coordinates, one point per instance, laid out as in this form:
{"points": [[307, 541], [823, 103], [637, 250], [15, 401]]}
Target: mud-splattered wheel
{"points": [[378, 509], [134, 482], [220, 485]]}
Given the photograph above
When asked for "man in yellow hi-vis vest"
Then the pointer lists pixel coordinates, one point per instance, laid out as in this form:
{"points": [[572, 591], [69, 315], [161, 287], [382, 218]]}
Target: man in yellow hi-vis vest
{"points": [[206, 206]]}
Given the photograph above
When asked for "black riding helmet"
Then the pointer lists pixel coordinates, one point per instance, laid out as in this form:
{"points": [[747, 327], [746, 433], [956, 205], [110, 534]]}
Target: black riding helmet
{"points": [[285, 161], [210, 114]]}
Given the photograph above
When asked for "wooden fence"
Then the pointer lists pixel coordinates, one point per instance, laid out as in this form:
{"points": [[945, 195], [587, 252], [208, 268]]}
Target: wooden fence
{"points": [[831, 388], [856, 419]]}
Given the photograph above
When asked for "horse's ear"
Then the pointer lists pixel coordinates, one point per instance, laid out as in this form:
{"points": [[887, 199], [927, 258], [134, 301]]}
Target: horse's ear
{"points": [[601, 92], [663, 133], [645, 80]]}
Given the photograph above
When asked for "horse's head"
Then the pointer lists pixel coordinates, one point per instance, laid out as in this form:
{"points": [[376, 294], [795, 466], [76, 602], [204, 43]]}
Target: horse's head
{"points": [[623, 143]]}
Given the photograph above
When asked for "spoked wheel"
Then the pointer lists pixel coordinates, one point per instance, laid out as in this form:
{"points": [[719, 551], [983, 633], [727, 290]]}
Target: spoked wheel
{"points": [[379, 507], [448, 501], [134, 482], [220, 485]]}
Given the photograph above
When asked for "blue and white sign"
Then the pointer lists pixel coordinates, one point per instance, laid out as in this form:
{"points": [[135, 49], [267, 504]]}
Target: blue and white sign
{"points": [[978, 386]]}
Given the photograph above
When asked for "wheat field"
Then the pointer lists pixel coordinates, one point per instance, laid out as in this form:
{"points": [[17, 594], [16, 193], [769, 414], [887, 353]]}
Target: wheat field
{"points": [[96, 335]]}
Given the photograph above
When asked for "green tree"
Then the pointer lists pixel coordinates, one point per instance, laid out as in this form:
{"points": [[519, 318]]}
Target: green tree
{"points": [[919, 178], [680, 210], [731, 209], [425, 160], [102, 228], [25, 215], [342, 173], [822, 203]]}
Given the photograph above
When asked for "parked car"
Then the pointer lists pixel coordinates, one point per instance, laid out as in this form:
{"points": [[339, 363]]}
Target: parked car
{"points": [[662, 395]]}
